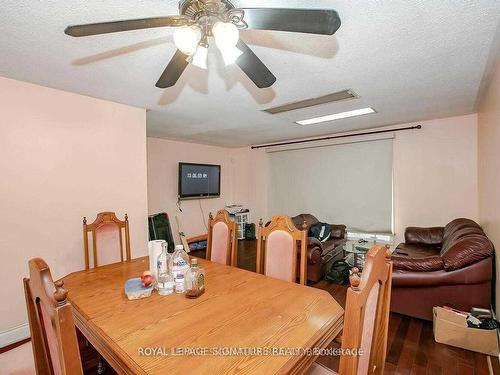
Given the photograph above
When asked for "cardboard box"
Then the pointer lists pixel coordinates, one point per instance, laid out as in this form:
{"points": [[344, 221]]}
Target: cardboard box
{"points": [[451, 328]]}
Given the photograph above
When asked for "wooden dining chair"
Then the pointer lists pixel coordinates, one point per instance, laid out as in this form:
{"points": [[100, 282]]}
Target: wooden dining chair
{"points": [[366, 317], [222, 242], [277, 245], [53, 333], [160, 229], [102, 221]]}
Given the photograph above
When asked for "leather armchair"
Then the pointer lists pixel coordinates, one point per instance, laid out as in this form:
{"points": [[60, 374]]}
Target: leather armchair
{"points": [[442, 266], [320, 254]]}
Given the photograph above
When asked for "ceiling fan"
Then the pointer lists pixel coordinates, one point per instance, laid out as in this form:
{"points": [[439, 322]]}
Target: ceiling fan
{"points": [[200, 20]]}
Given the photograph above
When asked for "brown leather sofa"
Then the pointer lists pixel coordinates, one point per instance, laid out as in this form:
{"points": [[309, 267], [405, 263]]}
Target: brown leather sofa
{"points": [[320, 254], [442, 266]]}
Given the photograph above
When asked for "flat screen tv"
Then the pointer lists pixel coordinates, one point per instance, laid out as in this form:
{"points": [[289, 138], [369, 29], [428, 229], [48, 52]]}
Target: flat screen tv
{"points": [[199, 181]]}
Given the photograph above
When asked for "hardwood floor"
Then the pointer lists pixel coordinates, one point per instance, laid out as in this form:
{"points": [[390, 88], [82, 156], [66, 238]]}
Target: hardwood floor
{"points": [[411, 347]]}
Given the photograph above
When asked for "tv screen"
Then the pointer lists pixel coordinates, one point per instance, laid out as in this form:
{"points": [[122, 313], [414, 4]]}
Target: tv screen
{"points": [[199, 180]]}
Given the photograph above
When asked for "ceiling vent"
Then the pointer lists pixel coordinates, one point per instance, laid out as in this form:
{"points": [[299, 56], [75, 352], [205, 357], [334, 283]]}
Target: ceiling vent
{"points": [[330, 98]]}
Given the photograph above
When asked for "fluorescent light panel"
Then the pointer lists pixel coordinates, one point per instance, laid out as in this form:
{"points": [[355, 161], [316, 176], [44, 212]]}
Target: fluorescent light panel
{"points": [[337, 116], [330, 98]]}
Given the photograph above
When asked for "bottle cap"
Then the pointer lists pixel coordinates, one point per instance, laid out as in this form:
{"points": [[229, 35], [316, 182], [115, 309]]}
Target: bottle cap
{"points": [[179, 247], [194, 261]]}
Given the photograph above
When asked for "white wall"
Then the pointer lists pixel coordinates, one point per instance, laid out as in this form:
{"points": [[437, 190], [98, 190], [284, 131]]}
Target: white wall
{"points": [[435, 173], [63, 156], [489, 167]]}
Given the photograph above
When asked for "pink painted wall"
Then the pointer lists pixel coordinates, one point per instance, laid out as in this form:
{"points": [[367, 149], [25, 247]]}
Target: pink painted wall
{"points": [[251, 181], [489, 167], [242, 182], [435, 176], [63, 156]]}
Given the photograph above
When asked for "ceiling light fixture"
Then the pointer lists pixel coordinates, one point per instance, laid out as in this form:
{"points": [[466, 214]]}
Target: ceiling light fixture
{"points": [[199, 20], [337, 116], [200, 58], [193, 42], [226, 37], [230, 55], [186, 39]]}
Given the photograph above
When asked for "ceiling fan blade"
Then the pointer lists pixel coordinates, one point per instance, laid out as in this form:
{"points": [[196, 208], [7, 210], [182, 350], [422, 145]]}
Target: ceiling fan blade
{"points": [[312, 21], [173, 71], [117, 26], [254, 68]]}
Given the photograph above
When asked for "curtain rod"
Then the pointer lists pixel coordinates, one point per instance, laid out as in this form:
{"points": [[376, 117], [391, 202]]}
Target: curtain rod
{"points": [[336, 136]]}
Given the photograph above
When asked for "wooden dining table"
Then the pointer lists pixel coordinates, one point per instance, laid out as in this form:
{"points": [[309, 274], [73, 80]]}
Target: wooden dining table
{"points": [[245, 323]]}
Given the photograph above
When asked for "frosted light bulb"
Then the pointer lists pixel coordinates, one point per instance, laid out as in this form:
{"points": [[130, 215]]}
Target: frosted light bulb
{"points": [[200, 58], [186, 39], [230, 54], [225, 34]]}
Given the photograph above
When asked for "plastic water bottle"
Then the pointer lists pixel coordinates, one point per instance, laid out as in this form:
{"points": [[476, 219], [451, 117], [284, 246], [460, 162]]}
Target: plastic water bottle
{"points": [[165, 281], [180, 265]]}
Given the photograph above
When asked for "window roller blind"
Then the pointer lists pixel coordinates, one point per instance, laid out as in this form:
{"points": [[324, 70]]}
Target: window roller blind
{"points": [[348, 183]]}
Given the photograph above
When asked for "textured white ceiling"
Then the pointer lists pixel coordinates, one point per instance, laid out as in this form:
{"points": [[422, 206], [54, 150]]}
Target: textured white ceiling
{"points": [[410, 60]]}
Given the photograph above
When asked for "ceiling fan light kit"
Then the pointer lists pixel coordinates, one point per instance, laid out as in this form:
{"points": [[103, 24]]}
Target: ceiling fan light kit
{"points": [[226, 36], [200, 20], [230, 55], [186, 39], [200, 58]]}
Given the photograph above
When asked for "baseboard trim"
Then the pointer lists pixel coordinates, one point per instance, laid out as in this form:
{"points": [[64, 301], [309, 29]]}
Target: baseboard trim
{"points": [[14, 335], [16, 344]]}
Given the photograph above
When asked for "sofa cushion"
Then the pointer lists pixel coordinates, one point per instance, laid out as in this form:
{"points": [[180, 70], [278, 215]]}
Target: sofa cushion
{"points": [[432, 263], [458, 224], [476, 273], [338, 230], [416, 251], [458, 234], [467, 250], [424, 236]]}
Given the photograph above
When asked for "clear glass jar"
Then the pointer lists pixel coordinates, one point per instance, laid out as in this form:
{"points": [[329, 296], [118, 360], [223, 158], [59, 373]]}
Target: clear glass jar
{"points": [[195, 280], [180, 283]]}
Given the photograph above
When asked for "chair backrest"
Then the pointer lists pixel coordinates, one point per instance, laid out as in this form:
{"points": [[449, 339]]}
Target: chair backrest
{"points": [[53, 334], [160, 229], [277, 246], [222, 244], [366, 316], [105, 220]]}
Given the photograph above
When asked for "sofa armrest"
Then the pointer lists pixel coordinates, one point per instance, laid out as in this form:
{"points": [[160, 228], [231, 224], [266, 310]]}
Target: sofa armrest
{"points": [[466, 251], [313, 241], [424, 236], [314, 251], [338, 231], [313, 255]]}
